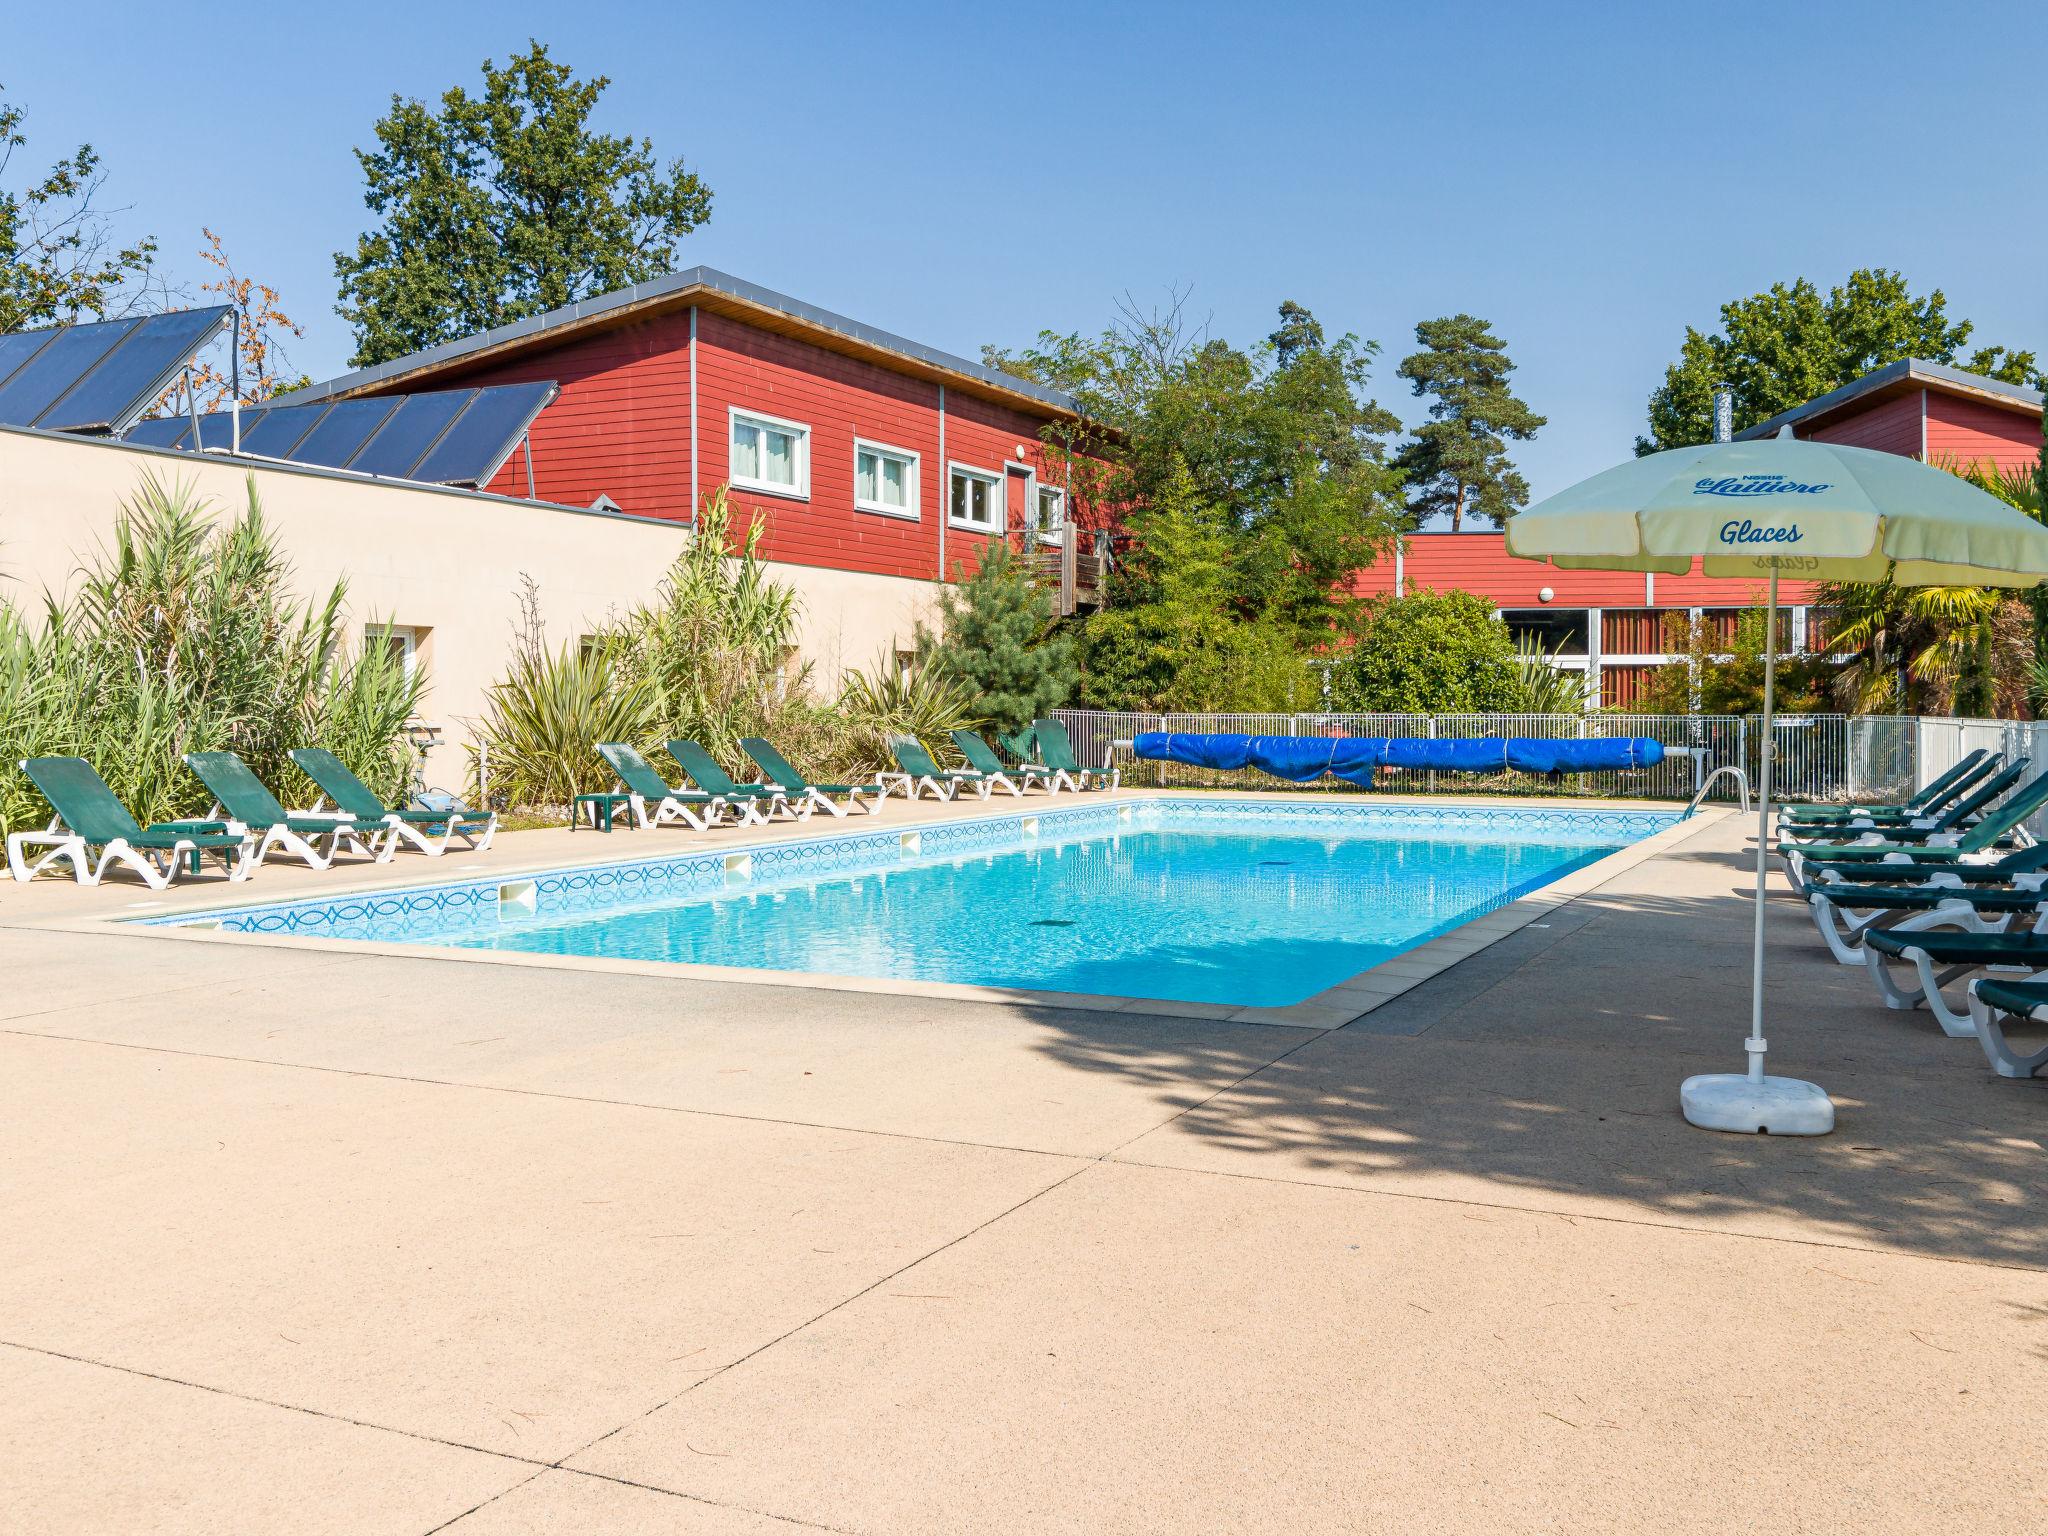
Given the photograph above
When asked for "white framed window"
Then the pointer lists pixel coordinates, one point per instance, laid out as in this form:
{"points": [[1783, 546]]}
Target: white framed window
{"points": [[1049, 514], [769, 454], [402, 639], [975, 500], [884, 479]]}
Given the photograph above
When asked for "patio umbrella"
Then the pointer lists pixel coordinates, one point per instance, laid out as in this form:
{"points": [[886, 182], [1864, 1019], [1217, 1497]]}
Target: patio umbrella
{"points": [[1815, 512]]}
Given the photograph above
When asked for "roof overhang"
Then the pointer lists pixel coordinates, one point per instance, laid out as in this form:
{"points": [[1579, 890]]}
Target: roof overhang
{"points": [[706, 289], [1907, 376]]}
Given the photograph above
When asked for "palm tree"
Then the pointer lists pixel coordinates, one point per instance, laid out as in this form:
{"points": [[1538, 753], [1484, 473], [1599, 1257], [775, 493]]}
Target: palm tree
{"points": [[1929, 646]]}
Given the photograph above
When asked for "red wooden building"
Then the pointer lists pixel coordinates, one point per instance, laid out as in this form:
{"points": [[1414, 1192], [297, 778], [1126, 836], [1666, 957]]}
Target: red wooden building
{"points": [[1612, 622], [876, 465]]}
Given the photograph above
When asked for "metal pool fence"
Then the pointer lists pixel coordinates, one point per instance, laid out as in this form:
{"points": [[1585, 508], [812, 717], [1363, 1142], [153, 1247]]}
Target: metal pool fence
{"points": [[1819, 757]]}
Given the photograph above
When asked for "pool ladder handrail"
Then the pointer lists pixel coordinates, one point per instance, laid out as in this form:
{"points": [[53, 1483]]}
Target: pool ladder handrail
{"points": [[1741, 783]]}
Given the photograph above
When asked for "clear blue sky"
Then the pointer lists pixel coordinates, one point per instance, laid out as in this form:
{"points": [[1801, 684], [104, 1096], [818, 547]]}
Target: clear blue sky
{"points": [[1591, 178]]}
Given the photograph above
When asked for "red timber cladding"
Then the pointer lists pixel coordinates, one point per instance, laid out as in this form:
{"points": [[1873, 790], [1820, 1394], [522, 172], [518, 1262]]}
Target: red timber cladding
{"points": [[983, 435], [839, 399], [1480, 562], [620, 427], [1890, 426], [1622, 686], [1972, 432]]}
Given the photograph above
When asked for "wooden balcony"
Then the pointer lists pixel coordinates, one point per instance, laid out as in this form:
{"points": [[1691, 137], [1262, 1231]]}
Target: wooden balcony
{"points": [[1076, 576]]}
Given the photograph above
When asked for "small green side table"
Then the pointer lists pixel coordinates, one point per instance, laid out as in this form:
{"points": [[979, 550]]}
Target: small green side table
{"points": [[600, 810]]}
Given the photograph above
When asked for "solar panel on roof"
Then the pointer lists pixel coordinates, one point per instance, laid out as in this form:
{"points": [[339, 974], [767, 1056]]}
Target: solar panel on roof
{"points": [[483, 436], [99, 375], [17, 347], [37, 383], [341, 433], [413, 429], [159, 431], [134, 372], [275, 436], [447, 437]]}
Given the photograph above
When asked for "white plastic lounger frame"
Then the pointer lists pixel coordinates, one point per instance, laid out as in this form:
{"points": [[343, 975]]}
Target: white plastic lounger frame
{"points": [[912, 785], [1989, 1026], [867, 798], [397, 829], [671, 809], [158, 867], [1843, 924], [299, 846], [1955, 1022]]}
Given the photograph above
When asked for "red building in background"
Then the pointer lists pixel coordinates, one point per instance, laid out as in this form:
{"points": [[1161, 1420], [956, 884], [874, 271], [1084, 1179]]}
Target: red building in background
{"points": [[876, 466], [1611, 623]]}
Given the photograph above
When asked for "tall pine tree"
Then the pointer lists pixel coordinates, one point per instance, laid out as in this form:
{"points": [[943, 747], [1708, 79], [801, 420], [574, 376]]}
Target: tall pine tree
{"points": [[996, 636], [1459, 462]]}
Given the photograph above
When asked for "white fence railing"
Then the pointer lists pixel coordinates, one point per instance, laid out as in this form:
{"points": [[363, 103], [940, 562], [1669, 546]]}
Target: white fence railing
{"points": [[1819, 757]]}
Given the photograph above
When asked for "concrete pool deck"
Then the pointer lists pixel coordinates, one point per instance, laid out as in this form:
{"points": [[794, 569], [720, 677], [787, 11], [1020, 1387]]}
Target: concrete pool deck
{"points": [[316, 1241]]}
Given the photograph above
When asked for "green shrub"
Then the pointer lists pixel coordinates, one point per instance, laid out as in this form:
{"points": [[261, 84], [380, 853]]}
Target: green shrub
{"points": [[537, 743], [1430, 653], [899, 698], [1179, 657], [996, 637], [184, 636]]}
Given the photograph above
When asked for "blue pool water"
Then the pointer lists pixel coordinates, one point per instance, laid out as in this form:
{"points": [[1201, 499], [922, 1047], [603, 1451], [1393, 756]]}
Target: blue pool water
{"points": [[1217, 902]]}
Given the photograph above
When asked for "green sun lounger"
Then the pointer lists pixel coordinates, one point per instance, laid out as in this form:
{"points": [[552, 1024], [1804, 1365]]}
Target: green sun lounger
{"points": [[1994, 1000], [754, 802], [918, 770], [1998, 824], [652, 799], [1943, 791], [1958, 817], [982, 759], [1056, 751], [782, 773], [89, 815], [427, 830], [2020, 865], [1939, 955], [1023, 746], [1849, 914], [239, 796]]}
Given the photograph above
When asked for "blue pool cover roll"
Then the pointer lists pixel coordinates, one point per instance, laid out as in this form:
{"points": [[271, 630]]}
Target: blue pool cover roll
{"points": [[1355, 758]]}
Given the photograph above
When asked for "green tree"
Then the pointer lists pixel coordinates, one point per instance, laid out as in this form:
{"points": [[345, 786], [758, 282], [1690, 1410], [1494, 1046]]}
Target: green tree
{"points": [[1430, 653], [1784, 346], [59, 257], [1174, 637], [1282, 441], [505, 204], [996, 638], [1724, 675], [1459, 458]]}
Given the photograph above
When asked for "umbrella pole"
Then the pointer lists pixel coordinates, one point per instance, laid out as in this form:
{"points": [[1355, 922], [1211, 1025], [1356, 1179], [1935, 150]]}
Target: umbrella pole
{"points": [[1756, 1045], [1752, 1102]]}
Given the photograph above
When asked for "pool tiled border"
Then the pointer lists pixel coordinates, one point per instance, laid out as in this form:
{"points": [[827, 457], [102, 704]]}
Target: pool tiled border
{"points": [[1329, 1009]]}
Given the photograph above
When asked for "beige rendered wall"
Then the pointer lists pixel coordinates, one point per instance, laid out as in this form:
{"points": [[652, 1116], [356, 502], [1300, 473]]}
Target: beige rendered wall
{"points": [[447, 562]]}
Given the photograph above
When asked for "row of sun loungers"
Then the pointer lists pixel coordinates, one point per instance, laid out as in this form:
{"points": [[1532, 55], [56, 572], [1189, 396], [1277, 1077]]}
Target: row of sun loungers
{"points": [[1043, 753], [93, 831], [1944, 889]]}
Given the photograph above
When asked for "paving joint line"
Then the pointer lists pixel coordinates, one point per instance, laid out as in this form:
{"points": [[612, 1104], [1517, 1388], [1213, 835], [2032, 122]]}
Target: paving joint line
{"points": [[2012, 1267], [270, 1402], [534, 1093], [846, 1301]]}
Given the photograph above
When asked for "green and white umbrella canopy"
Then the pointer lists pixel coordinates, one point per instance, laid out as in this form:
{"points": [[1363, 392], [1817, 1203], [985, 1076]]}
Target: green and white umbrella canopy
{"points": [[1810, 511], [1761, 510]]}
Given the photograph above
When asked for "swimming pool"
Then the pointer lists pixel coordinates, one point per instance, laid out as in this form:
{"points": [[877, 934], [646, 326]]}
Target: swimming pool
{"points": [[1254, 903]]}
